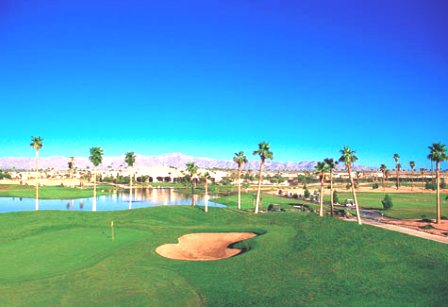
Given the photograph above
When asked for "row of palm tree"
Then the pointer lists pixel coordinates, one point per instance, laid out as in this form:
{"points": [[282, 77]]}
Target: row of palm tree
{"points": [[438, 154]]}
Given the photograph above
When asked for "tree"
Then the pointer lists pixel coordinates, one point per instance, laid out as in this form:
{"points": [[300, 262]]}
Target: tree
{"points": [[206, 176], [412, 166], [37, 143], [387, 202], [396, 158], [348, 157], [240, 159], [437, 154], [192, 170], [383, 169], [321, 170], [264, 153], [332, 166], [96, 157], [129, 158], [71, 167]]}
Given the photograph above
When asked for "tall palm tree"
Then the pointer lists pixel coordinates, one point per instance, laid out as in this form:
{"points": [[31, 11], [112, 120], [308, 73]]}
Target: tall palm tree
{"points": [[37, 143], [240, 159], [129, 158], [321, 170], [348, 157], [412, 166], [383, 169], [192, 170], [437, 153], [396, 158], [264, 153], [71, 167], [206, 176], [332, 166], [96, 157]]}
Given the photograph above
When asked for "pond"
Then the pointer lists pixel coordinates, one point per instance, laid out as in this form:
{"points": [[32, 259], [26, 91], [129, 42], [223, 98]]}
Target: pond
{"points": [[142, 198]]}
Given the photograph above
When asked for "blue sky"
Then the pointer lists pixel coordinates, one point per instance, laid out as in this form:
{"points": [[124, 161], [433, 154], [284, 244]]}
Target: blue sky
{"points": [[209, 78]]}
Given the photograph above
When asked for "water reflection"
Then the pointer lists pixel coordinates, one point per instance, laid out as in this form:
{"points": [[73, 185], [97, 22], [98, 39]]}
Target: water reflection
{"points": [[119, 201]]}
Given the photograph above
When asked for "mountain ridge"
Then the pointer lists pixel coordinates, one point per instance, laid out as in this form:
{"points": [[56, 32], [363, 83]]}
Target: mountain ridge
{"points": [[176, 159]]}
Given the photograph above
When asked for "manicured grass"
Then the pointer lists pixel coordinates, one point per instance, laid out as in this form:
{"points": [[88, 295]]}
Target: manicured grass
{"points": [[248, 201], [406, 205], [53, 258], [53, 192]]}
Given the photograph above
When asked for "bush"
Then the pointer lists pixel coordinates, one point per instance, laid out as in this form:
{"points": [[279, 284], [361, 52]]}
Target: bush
{"points": [[375, 186], [387, 202], [430, 186], [307, 193], [335, 197]]}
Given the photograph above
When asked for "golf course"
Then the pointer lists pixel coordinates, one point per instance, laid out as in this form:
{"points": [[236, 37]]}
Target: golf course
{"points": [[71, 259]]}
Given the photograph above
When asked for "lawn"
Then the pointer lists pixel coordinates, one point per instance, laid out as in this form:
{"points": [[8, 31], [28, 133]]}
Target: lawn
{"points": [[53, 192], [53, 258], [406, 205]]}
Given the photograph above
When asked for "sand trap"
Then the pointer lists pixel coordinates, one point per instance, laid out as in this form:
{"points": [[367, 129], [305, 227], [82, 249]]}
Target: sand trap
{"points": [[204, 246]]}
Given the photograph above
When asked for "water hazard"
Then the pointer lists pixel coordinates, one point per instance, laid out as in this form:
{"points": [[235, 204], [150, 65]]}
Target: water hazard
{"points": [[142, 198]]}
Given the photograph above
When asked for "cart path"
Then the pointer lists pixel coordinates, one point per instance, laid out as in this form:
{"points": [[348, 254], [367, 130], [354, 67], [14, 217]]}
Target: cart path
{"points": [[409, 231]]}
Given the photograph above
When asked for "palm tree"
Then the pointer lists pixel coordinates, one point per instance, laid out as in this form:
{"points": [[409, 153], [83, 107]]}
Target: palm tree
{"points": [[383, 169], [321, 170], [240, 159], [96, 157], [332, 166], [412, 166], [396, 158], [129, 158], [348, 157], [37, 143], [71, 167], [192, 170], [206, 176], [264, 153], [437, 153]]}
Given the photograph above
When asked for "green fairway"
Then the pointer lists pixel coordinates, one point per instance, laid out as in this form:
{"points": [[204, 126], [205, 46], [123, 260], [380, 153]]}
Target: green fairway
{"points": [[53, 258], [247, 201], [53, 192], [406, 205]]}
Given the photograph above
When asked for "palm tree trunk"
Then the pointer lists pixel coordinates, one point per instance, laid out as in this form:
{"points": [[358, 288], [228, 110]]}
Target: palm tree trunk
{"points": [[37, 180], [260, 177], [412, 180], [358, 216], [94, 190], [239, 188], [382, 181], [331, 193], [206, 196], [321, 200], [438, 191], [398, 178], [130, 191]]}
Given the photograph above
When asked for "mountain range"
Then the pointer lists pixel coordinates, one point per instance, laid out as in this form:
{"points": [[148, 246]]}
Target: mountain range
{"points": [[177, 160]]}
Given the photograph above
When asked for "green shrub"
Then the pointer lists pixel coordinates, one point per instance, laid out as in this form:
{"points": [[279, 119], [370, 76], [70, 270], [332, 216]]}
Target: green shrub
{"points": [[335, 197], [307, 193], [375, 186], [387, 202]]}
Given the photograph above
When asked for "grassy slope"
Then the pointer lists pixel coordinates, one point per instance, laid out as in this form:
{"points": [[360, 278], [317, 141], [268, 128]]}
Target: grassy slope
{"points": [[406, 205], [68, 258], [52, 192]]}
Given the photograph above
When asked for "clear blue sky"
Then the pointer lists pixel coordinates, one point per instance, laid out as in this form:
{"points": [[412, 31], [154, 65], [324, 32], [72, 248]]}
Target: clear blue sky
{"points": [[209, 78]]}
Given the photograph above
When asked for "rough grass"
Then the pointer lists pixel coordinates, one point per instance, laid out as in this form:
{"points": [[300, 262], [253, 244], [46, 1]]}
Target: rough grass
{"points": [[68, 258], [406, 205]]}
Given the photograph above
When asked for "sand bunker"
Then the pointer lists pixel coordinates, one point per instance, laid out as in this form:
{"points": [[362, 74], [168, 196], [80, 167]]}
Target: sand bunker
{"points": [[204, 246]]}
